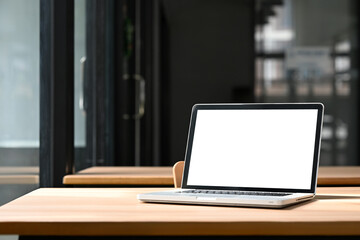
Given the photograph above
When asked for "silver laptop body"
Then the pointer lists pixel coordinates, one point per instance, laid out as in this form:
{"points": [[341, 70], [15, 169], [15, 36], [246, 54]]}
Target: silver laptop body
{"points": [[256, 155]]}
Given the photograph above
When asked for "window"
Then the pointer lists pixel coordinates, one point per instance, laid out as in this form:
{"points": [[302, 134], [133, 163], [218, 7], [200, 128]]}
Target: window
{"points": [[19, 98], [305, 53]]}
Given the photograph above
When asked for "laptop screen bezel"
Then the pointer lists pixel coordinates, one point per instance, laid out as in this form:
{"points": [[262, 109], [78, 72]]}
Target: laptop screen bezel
{"points": [[290, 106]]}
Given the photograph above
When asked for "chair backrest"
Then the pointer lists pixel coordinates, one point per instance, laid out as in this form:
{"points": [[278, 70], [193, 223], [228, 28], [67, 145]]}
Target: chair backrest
{"points": [[178, 169]]}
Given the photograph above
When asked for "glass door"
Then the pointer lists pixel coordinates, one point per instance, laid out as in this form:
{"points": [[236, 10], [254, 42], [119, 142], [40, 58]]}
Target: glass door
{"points": [[79, 85], [19, 98]]}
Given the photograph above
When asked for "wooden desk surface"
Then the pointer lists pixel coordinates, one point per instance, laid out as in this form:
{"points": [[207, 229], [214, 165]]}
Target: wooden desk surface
{"points": [[19, 170], [333, 175], [122, 176], [19, 175], [116, 211], [336, 175]]}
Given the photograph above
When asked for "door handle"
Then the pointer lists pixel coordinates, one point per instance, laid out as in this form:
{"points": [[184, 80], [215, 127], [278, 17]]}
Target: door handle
{"points": [[140, 96], [82, 104]]}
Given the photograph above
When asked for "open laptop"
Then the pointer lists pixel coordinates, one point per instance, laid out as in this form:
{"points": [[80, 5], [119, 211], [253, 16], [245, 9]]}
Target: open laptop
{"points": [[259, 155]]}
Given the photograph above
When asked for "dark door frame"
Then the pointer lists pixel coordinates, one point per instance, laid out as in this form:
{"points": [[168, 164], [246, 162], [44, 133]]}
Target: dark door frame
{"points": [[56, 91]]}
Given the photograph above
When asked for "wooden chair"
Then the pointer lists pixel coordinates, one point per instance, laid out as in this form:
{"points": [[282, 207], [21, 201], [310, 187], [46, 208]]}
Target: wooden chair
{"points": [[178, 169]]}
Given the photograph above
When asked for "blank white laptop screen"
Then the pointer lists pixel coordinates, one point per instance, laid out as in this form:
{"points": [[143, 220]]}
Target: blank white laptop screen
{"points": [[253, 148]]}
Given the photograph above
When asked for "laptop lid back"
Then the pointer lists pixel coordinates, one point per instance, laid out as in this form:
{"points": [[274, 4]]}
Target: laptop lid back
{"points": [[254, 147]]}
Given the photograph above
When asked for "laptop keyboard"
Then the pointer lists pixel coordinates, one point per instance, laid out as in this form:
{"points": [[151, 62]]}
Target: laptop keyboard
{"points": [[235, 192]]}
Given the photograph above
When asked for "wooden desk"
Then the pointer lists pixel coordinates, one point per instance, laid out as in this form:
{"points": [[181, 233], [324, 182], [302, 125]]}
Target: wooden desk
{"points": [[117, 212], [161, 176], [19, 175], [336, 175]]}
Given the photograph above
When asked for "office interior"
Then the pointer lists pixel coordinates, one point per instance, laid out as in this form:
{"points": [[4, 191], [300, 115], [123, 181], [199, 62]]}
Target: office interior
{"points": [[111, 82]]}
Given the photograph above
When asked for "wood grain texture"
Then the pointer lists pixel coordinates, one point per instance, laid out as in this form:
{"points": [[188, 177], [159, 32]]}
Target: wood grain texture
{"points": [[178, 170], [122, 176], [117, 212], [336, 175], [332, 175]]}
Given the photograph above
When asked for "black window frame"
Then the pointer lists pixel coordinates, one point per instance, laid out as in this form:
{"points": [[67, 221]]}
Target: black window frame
{"points": [[56, 91]]}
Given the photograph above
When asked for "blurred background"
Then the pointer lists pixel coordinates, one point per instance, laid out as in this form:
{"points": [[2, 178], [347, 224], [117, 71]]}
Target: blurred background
{"points": [[140, 65]]}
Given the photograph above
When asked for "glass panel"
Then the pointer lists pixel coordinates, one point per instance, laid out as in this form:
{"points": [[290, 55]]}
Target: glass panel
{"points": [[19, 97], [79, 103], [305, 53]]}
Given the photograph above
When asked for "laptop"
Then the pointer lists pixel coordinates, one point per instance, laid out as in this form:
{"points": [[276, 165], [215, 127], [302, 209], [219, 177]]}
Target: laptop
{"points": [[254, 155]]}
